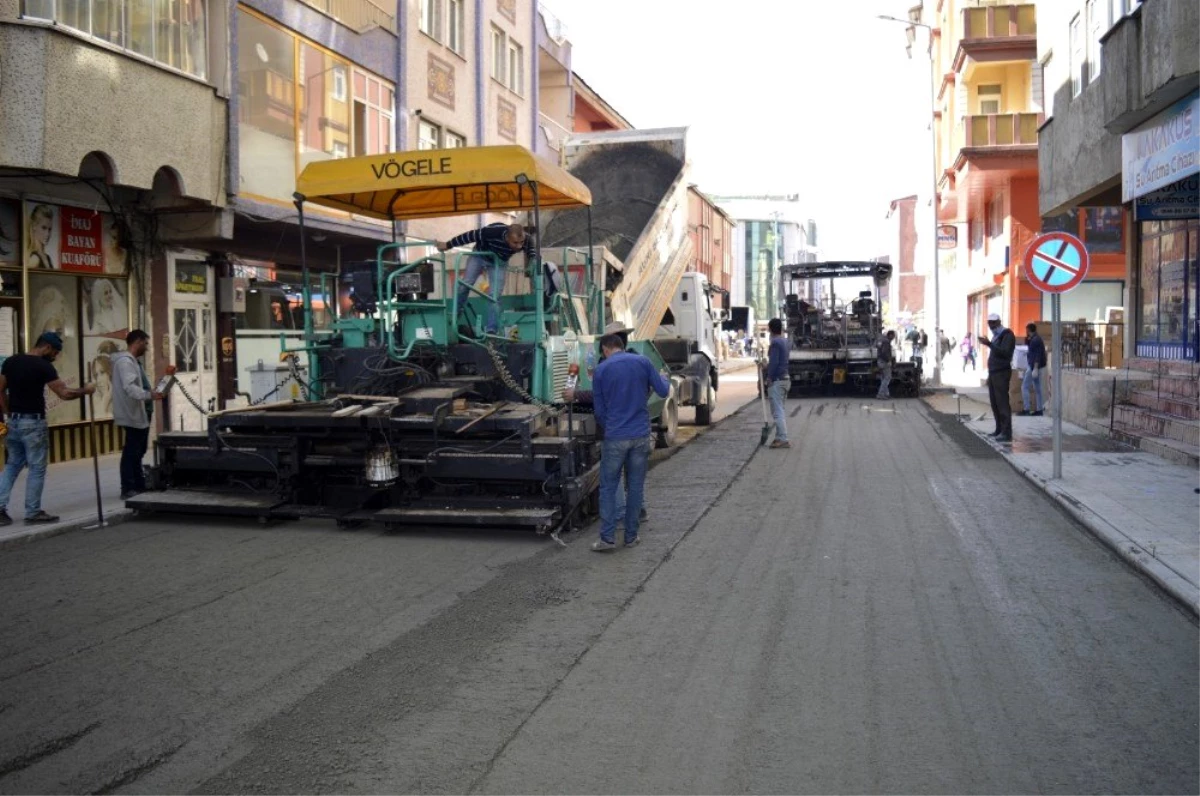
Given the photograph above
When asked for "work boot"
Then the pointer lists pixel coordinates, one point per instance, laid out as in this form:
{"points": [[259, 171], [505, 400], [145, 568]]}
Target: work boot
{"points": [[40, 518], [778, 444], [4, 518]]}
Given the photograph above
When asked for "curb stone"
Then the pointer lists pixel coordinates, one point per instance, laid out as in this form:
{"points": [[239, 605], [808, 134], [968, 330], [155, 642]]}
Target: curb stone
{"points": [[1187, 595], [115, 517]]}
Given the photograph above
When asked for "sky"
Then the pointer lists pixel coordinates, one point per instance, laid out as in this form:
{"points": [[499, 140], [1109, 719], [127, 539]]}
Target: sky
{"points": [[813, 97]]}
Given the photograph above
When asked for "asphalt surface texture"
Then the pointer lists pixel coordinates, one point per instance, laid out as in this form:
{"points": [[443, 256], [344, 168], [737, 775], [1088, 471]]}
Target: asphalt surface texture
{"points": [[887, 607]]}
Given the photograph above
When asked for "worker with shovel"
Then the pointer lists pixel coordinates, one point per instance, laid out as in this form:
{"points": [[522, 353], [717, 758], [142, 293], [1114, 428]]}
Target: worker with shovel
{"points": [[779, 382]]}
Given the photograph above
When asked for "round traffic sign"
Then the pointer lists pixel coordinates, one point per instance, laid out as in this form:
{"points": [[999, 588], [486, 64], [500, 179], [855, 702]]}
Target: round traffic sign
{"points": [[1055, 262]]}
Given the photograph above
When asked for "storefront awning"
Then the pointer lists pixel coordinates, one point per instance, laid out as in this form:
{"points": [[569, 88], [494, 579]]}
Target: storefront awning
{"points": [[440, 182]]}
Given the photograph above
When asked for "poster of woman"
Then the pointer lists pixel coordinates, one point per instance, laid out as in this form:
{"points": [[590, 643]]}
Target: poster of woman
{"points": [[41, 236], [105, 307], [10, 240], [53, 307], [97, 353]]}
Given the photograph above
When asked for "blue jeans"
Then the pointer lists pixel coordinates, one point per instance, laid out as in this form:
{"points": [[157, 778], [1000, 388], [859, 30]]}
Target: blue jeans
{"points": [[885, 380], [1031, 384], [777, 392], [476, 265], [27, 443], [631, 457]]}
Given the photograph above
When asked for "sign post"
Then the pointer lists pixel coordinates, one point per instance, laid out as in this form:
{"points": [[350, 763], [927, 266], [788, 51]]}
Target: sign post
{"points": [[1055, 263]]}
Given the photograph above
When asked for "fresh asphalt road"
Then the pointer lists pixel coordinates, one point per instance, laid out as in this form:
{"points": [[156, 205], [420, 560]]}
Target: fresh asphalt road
{"points": [[887, 607]]}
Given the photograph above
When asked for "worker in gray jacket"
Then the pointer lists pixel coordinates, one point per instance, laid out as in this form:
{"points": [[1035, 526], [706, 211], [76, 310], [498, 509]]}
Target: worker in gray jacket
{"points": [[132, 408]]}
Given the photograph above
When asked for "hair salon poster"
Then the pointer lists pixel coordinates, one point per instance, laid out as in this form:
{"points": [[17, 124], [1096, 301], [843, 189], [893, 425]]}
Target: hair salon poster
{"points": [[77, 240]]}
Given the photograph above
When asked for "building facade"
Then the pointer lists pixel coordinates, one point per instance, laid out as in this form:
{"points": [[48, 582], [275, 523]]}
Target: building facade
{"points": [[987, 108], [712, 232], [1120, 159], [149, 153], [904, 302], [771, 232]]}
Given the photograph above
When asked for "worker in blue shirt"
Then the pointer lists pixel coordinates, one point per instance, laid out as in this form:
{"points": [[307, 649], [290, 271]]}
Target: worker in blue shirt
{"points": [[1031, 383], [620, 387], [778, 380], [498, 239]]}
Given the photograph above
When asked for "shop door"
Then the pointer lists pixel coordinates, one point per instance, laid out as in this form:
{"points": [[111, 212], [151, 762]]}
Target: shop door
{"points": [[193, 344]]}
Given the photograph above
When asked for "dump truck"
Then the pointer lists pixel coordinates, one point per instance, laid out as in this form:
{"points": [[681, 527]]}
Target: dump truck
{"points": [[639, 224], [835, 342]]}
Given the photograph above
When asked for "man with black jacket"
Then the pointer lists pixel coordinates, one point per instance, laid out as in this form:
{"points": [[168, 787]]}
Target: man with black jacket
{"points": [[1002, 345]]}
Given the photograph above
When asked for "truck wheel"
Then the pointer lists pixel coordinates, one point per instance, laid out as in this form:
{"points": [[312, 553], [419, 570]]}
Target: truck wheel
{"points": [[704, 412], [668, 424]]}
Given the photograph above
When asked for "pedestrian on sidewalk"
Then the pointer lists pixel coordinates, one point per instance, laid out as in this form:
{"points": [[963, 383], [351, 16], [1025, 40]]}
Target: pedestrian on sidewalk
{"points": [[967, 349], [1002, 345], [619, 392], [779, 381], [23, 382], [884, 359], [1031, 382], [133, 407]]}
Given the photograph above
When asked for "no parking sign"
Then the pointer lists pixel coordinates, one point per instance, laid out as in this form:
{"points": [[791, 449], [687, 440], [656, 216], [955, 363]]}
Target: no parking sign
{"points": [[1056, 262]]}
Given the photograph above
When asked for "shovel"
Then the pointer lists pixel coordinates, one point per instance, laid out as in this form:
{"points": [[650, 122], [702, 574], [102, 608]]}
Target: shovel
{"points": [[762, 392], [95, 459]]}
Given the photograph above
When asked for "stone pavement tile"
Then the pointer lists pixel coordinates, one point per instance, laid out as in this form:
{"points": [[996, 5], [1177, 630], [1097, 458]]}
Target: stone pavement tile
{"points": [[70, 493]]}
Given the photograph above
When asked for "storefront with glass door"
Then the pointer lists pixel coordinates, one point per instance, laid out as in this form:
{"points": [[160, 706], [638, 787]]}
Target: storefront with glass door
{"points": [[1161, 178], [63, 269]]}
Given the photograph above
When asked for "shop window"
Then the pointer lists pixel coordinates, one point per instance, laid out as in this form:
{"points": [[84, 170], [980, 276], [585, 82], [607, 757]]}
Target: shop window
{"points": [[498, 53], [293, 112], [429, 135], [1148, 288], [1078, 62], [171, 33], [431, 18], [989, 99], [266, 108], [516, 67], [994, 214], [1172, 285], [1103, 230], [374, 115], [456, 38]]}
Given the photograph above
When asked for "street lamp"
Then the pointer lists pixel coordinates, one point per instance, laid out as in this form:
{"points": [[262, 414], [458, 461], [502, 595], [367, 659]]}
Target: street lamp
{"points": [[937, 295]]}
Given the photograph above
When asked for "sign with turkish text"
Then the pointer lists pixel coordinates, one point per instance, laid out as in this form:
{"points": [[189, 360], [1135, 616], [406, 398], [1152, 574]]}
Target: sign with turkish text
{"points": [[191, 277], [947, 236], [1178, 200], [1056, 262], [80, 243], [1161, 151]]}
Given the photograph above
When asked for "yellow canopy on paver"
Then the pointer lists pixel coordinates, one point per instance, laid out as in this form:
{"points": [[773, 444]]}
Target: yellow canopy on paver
{"points": [[440, 182]]}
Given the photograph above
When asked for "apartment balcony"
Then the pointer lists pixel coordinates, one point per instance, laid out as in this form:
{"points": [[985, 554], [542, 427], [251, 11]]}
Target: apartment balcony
{"points": [[997, 33], [1001, 130], [358, 15], [553, 134]]}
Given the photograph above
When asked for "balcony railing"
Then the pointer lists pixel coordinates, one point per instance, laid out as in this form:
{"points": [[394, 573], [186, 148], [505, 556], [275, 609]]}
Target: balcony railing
{"points": [[999, 22], [1001, 129], [359, 15]]}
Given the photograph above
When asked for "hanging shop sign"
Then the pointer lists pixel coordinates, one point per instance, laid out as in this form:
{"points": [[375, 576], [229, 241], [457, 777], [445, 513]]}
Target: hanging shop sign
{"points": [[947, 236], [1162, 151], [1178, 200], [71, 239]]}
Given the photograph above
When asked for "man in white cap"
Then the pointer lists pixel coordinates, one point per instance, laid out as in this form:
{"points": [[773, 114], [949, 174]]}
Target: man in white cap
{"points": [[1002, 344]]}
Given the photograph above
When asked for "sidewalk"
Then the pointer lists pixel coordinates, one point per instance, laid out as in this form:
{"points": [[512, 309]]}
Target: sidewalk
{"points": [[70, 493], [734, 363], [1142, 506]]}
